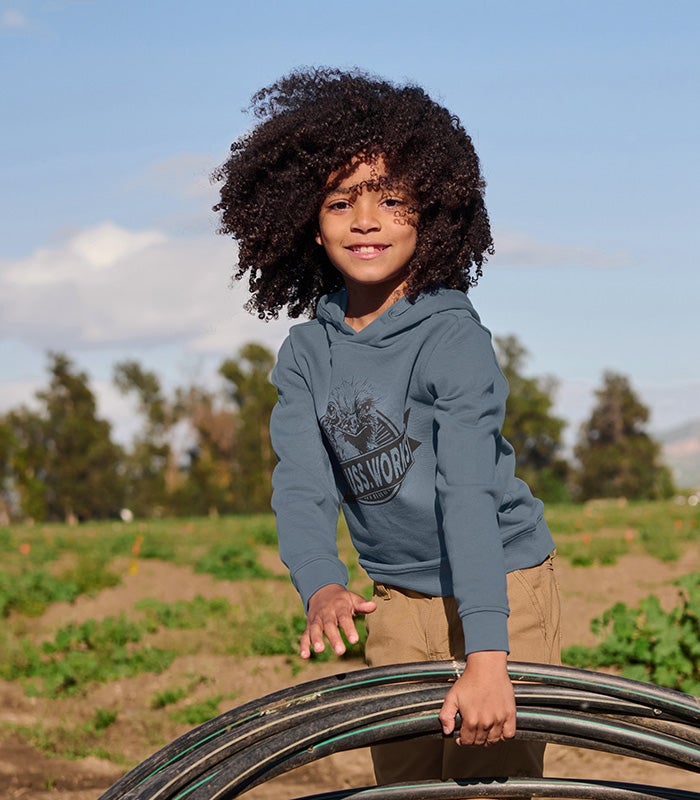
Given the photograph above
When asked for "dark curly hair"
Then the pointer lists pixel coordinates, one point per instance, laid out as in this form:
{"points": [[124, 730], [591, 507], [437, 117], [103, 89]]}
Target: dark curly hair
{"points": [[312, 123]]}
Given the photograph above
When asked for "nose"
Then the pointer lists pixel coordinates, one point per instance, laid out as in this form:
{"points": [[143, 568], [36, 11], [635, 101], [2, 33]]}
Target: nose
{"points": [[365, 217]]}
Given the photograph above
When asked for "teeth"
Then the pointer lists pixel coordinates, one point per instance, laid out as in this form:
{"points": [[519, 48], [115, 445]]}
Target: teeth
{"points": [[367, 249]]}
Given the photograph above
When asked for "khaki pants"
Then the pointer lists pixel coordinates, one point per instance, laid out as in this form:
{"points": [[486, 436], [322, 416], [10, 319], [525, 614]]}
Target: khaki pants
{"points": [[408, 626]]}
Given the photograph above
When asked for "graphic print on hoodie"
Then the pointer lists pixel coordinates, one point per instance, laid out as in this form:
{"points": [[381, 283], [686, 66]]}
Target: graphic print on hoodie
{"points": [[373, 452]]}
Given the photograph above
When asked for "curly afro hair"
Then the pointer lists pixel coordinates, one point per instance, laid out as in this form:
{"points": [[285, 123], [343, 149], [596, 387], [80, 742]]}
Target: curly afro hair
{"points": [[313, 123]]}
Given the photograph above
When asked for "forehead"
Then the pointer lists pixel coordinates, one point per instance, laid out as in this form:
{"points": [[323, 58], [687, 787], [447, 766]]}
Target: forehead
{"points": [[363, 174], [360, 170]]}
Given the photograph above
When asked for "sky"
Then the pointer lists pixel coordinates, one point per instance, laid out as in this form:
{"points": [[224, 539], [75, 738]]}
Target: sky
{"points": [[585, 116]]}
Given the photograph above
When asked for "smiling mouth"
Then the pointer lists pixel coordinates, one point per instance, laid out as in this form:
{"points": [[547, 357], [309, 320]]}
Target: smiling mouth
{"points": [[366, 249]]}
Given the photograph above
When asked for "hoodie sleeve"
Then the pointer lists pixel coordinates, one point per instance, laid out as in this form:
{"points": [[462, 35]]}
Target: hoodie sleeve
{"points": [[469, 393], [304, 498]]}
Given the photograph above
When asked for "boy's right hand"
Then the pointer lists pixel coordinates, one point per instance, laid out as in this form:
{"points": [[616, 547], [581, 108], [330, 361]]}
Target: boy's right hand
{"points": [[331, 610]]}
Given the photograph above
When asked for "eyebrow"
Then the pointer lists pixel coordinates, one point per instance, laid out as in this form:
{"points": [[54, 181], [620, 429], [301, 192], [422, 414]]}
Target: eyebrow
{"points": [[382, 184]]}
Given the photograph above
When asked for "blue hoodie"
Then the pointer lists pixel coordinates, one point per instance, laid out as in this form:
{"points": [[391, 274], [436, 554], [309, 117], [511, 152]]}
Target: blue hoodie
{"points": [[399, 424]]}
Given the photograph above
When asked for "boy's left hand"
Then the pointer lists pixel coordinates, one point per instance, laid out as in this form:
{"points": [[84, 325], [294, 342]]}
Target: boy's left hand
{"points": [[485, 699]]}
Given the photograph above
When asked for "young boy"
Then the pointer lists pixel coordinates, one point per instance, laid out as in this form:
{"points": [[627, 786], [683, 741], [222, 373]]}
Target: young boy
{"points": [[360, 204]]}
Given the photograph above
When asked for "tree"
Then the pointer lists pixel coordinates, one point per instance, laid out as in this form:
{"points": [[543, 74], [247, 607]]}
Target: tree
{"points": [[63, 462], [150, 467], [209, 486], [531, 427], [617, 457], [6, 440], [255, 397]]}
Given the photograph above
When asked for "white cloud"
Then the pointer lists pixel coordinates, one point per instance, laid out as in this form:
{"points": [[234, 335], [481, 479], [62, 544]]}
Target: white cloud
{"points": [[184, 175], [518, 250], [12, 18], [108, 286]]}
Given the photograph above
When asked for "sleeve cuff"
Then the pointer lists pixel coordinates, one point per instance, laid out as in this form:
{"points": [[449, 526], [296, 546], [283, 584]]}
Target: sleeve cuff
{"points": [[485, 630], [316, 574]]}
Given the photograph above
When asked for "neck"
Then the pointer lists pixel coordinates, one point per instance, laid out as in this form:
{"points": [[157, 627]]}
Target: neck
{"points": [[366, 305]]}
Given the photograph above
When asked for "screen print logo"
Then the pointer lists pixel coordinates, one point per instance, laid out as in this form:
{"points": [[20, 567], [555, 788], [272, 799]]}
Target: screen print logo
{"points": [[373, 452]]}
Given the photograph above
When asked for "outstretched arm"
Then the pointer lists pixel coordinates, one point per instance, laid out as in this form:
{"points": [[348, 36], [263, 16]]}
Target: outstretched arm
{"points": [[331, 610], [484, 697]]}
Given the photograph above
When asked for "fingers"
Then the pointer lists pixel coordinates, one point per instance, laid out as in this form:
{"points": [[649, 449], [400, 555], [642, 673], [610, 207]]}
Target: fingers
{"points": [[485, 735], [482, 721], [331, 610], [481, 732]]}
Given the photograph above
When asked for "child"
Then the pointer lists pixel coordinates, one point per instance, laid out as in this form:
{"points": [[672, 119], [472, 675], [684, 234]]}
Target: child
{"points": [[359, 204]]}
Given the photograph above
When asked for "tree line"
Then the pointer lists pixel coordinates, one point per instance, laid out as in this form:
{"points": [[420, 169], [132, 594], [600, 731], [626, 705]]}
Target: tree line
{"points": [[59, 461]]}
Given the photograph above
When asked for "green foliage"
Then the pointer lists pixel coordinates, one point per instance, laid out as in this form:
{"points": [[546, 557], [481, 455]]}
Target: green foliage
{"points": [[235, 561], [80, 655], [157, 546], [261, 530], [601, 551], [659, 545], [248, 378], [62, 460], [602, 530], [167, 697], [183, 615], [71, 742], [617, 456], [90, 575], [647, 643], [150, 455], [197, 713], [530, 425], [274, 635], [31, 592]]}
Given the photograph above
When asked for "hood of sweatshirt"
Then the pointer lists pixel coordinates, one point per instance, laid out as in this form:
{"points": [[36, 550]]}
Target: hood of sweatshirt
{"points": [[402, 315]]}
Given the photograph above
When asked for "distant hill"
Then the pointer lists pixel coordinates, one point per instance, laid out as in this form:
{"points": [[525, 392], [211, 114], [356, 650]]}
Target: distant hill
{"points": [[681, 451]]}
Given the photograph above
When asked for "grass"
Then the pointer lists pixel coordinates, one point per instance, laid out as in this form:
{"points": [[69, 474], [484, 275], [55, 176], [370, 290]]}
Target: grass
{"points": [[599, 532], [71, 741], [81, 655], [197, 713], [51, 563]]}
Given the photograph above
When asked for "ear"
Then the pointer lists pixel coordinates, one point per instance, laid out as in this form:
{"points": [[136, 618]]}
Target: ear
{"points": [[318, 239]]}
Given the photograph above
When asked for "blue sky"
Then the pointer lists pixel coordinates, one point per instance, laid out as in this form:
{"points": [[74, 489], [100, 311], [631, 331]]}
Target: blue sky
{"points": [[585, 116]]}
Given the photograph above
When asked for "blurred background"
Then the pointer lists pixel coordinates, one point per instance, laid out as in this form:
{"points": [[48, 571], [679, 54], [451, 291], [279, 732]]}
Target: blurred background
{"points": [[115, 284]]}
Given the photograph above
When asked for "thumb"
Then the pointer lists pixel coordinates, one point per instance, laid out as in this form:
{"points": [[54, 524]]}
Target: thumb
{"points": [[447, 715], [362, 606]]}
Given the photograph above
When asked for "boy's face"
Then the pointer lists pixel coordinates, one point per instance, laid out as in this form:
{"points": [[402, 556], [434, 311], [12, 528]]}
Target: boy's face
{"points": [[368, 228]]}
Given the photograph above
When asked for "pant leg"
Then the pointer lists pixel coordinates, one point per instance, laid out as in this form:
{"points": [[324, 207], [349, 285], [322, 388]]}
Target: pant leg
{"points": [[408, 626], [397, 633], [534, 636]]}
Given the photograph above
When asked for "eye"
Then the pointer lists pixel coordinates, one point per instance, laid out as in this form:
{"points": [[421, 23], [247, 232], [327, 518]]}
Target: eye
{"points": [[394, 202], [338, 205]]}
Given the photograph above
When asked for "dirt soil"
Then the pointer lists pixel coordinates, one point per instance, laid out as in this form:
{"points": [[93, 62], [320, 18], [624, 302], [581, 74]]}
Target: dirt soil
{"points": [[27, 773]]}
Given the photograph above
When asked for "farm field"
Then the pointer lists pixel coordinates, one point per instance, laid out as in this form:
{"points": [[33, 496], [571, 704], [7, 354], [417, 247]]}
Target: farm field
{"points": [[116, 638]]}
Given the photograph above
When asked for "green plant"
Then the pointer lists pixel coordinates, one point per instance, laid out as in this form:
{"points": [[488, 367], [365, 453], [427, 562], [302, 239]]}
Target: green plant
{"points": [[586, 553], [262, 530], [90, 575], [197, 713], [167, 697], [658, 544], [94, 652], [232, 561], [157, 546], [183, 615], [72, 742], [647, 643], [32, 591]]}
